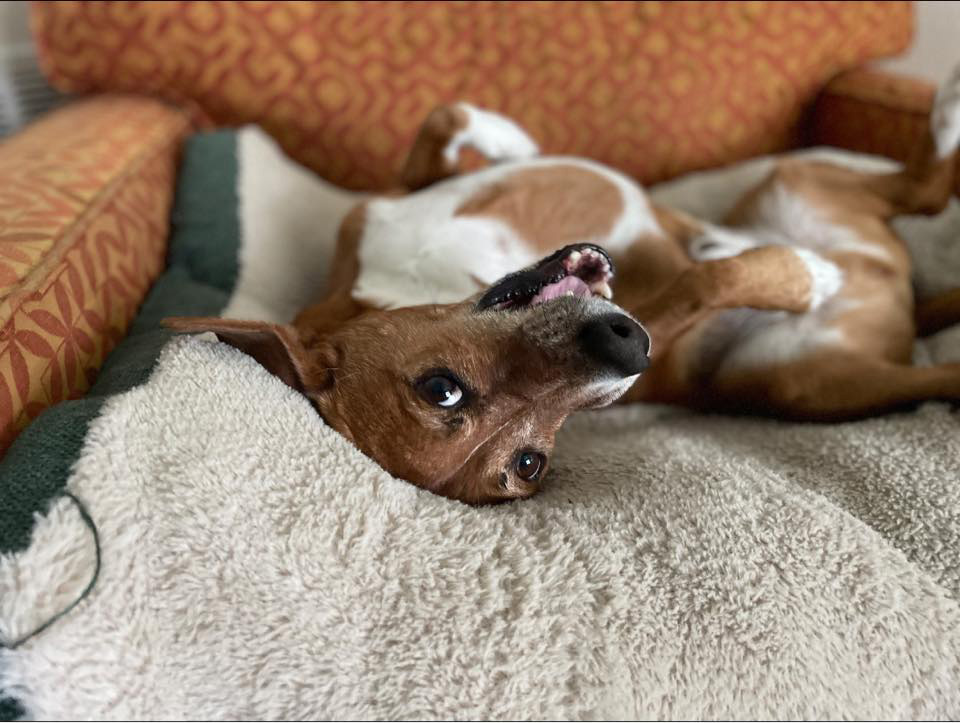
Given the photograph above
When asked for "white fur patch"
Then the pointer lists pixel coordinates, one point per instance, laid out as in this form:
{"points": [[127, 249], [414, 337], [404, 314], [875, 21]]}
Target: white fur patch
{"points": [[791, 220], [415, 250], [607, 391], [780, 217], [826, 278], [945, 118], [637, 218], [719, 243], [711, 195], [775, 338], [495, 136]]}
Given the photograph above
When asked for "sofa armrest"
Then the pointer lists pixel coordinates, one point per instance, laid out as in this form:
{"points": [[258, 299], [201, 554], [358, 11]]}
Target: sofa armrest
{"points": [[872, 111], [85, 196]]}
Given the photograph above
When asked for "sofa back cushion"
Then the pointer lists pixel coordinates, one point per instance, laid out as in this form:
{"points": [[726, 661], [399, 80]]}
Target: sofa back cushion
{"points": [[655, 89]]}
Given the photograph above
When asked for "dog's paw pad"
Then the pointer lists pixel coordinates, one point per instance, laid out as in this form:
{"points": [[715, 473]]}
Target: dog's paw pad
{"points": [[945, 118]]}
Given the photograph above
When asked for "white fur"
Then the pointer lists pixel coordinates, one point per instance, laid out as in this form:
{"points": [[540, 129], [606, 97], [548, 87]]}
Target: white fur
{"points": [[415, 250], [637, 218], [782, 338], [945, 118], [785, 217], [289, 220], [716, 242], [711, 195], [256, 566], [826, 278], [755, 339], [495, 136]]}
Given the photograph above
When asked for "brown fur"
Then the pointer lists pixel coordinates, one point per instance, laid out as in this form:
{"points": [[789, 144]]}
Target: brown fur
{"points": [[426, 163], [359, 377], [550, 207]]}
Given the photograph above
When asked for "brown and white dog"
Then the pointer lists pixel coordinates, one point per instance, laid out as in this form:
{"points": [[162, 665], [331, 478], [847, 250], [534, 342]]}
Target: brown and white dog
{"points": [[439, 360]]}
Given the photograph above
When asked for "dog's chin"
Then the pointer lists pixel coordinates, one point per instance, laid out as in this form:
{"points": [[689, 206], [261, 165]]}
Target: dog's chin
{"points": [[604, 393]]}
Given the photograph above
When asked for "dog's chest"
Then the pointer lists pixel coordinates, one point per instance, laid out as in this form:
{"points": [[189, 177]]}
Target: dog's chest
{"points": [[448, 242], [415, 250]]}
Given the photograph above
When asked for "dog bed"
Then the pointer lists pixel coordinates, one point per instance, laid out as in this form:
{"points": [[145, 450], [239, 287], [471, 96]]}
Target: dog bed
{"points": [[255, 565]]}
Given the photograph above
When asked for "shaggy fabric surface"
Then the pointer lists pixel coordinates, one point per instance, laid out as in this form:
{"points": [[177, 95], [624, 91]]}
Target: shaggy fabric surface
{"points": [[255, 565]]}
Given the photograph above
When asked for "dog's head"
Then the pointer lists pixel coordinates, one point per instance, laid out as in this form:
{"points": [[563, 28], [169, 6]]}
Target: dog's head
{"points": [[463, 399]]}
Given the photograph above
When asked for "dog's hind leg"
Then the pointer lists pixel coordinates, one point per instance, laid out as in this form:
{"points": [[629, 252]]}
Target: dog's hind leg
{"points": [[856, 386], [448, 129], [769, 278], [852, 197]]}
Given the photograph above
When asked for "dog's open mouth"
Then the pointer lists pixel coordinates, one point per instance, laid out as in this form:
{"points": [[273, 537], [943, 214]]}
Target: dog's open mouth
{"points": [[582, 270]]}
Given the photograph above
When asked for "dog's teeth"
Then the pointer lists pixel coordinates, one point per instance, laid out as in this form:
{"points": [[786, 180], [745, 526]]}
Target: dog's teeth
{"points": [[602, 288]]}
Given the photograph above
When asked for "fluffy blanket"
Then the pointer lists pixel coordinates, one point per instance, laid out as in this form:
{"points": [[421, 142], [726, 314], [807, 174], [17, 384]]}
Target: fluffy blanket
{"points": [[255, 565]]}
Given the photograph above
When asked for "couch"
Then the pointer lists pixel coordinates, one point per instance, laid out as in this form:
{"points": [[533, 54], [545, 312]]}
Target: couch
{"points": [[657, 90]]}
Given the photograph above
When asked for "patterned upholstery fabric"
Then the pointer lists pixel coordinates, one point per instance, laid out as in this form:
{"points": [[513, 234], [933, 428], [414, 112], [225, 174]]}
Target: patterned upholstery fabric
{"points": [[653, 88], [85, 196]]}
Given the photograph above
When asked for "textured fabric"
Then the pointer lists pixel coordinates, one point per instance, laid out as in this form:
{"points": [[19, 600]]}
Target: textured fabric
{"points": [[654, 89], [677, 565], [205, 227], [84, 201]]}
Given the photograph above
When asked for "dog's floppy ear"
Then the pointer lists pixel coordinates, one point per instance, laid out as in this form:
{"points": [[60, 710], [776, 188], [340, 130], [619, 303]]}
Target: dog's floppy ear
{"points": [[276, 346]]}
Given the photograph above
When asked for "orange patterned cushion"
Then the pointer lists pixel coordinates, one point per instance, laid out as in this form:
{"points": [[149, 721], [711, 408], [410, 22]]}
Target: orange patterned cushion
{"points": [[84, 198], [653, 88]]}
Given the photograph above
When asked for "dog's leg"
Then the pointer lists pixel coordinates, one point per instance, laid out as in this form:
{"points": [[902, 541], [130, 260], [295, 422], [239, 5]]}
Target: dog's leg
{"points": [[938, 313], [769, 278], [854, 386], [449, 128], [927, 182], [855, 198]]}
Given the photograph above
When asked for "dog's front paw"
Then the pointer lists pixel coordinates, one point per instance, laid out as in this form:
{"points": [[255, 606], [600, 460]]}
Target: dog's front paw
{"points": [[945, 118], [493, 135]]}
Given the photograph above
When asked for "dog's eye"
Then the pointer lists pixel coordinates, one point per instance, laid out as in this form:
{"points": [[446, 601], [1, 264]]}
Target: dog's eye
{"points": [[440, 390], [529, 465]]}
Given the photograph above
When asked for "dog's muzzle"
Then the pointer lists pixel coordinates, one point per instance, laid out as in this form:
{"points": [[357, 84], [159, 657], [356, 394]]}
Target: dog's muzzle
{"points": [[567, 312]]}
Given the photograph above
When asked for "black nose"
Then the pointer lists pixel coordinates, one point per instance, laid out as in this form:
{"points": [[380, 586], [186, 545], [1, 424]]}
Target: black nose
{"points": [[617, 342]]}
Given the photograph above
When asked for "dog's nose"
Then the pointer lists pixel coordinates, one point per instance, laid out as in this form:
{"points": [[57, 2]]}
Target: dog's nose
{"points": [[617, 342]]}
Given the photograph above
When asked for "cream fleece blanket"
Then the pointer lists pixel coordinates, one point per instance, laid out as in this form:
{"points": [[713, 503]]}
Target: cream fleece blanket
{"points": [[677, 566]]}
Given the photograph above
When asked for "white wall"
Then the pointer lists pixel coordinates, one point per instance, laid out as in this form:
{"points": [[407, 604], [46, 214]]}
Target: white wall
{"points": [[936, 43], [14, 27]]}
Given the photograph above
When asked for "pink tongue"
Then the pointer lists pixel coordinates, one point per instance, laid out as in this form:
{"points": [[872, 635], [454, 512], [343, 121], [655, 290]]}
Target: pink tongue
{"points": [[568, 284]]}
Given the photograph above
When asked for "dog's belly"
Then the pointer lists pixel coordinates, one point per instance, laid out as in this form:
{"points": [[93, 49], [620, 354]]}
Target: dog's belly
{"points": [[749, 339], [420, 249]]}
